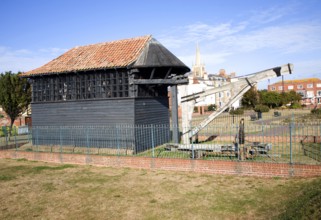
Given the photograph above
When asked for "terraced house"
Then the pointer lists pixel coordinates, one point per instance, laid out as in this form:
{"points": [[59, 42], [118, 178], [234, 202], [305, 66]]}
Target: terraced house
{"points": [[118, 82], [309, 89]]}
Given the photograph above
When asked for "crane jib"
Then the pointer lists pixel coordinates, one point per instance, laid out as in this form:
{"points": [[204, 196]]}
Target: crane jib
{"points": [[277, 71], [289, 67], [239, 87]]}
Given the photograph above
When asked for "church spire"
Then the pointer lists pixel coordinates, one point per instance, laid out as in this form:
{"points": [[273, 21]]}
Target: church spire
{"points": [[198, 68], [198, 56]]}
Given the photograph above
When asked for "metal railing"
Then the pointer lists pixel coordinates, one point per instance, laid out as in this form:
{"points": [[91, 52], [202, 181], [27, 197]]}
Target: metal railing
{"points": [[263, 142]]}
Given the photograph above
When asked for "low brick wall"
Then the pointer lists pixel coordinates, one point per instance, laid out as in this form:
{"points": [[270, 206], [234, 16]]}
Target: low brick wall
{"points": [[201, 166]]}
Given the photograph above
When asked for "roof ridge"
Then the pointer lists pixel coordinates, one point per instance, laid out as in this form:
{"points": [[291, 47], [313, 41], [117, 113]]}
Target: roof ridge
{"points": [[114, 41]]}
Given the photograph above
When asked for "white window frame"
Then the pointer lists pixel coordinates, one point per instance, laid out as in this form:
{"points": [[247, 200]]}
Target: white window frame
{"points": [[300, 86], [290, 87], [310, 94], [280, 88], [310, 86], [273, 88]]}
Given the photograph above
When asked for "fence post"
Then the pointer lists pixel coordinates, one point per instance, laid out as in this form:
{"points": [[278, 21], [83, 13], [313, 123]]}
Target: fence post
{"points": [[153, 143], [60, 138], [7, 137], [291, 140], [237, 142], [262, 133], [117, 139], [233, 118], [37, 139], [192, 147], [87, 139], [29, 135], [15, 141]]}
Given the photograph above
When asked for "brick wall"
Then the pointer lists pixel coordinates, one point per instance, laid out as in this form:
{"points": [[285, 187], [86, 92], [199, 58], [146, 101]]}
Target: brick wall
{"points": [[201, 166], [5, 121]]}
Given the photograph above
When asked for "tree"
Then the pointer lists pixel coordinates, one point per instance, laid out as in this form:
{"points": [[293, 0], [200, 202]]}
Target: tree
{"points": [[15, 95], [251, 98], [285, 98], [271, 99], [294, 97]]}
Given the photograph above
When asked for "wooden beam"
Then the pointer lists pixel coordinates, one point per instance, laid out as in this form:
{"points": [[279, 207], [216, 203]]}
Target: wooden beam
{"points": [[131, 71], [175, 126], [159, 81], [168, 72], [152, 74]]}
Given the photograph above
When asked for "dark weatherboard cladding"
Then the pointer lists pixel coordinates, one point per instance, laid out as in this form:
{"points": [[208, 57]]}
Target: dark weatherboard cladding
{"points": [[107, 84]]}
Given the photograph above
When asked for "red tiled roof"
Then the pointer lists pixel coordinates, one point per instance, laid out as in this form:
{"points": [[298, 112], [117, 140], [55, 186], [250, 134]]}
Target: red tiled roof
{"points": [[120, 53], [308, 80]]}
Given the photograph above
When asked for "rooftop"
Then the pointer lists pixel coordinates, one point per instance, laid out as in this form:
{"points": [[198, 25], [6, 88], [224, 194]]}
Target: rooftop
{"points": [[295, 81], [115, 54]]}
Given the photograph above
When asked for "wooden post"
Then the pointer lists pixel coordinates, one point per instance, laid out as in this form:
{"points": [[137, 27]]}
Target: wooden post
{"points": [[175, 126]]}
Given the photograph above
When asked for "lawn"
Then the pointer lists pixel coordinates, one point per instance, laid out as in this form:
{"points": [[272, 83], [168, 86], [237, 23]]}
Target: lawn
{"points": [[38, 190]]}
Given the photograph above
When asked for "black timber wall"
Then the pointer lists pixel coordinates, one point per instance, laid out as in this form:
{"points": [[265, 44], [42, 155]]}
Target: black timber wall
{"points": [[84, 113], [135, 113], [153, 112]]}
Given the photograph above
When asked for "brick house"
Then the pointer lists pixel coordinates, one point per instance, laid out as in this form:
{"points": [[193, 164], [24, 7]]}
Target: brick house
{"points": [[309, 89], [22, 120]]}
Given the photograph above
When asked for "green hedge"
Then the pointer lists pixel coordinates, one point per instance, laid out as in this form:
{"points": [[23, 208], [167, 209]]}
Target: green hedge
{"points": [[211, 107], [316, 111], [238, 111], [5, 129], [261, 108], [295, 105]]}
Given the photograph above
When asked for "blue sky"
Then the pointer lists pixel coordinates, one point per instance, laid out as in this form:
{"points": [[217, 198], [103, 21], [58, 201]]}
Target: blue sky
{"points": [[238, 36]]}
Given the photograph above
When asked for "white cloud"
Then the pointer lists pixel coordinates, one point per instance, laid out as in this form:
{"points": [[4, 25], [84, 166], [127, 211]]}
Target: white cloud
{"points": [[207, 58], [287, 39], [24, 59], [54, 51], [199, 32], [272, 14], [256, 38], [275, 28], [310, 68], [239, 38]]}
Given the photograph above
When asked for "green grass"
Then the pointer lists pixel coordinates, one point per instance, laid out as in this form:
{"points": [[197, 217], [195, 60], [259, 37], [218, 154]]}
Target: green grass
{"points": [[22, 159], [44, 190], [160, 152], [307, 205], [41, 168], [6, 177]]}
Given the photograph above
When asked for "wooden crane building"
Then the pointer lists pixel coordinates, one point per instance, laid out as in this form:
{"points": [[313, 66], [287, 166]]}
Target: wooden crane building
{"points": [[105, 84]]}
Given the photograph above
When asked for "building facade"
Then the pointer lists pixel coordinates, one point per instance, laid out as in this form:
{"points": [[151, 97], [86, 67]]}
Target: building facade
{"points": [[309, 89]]}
